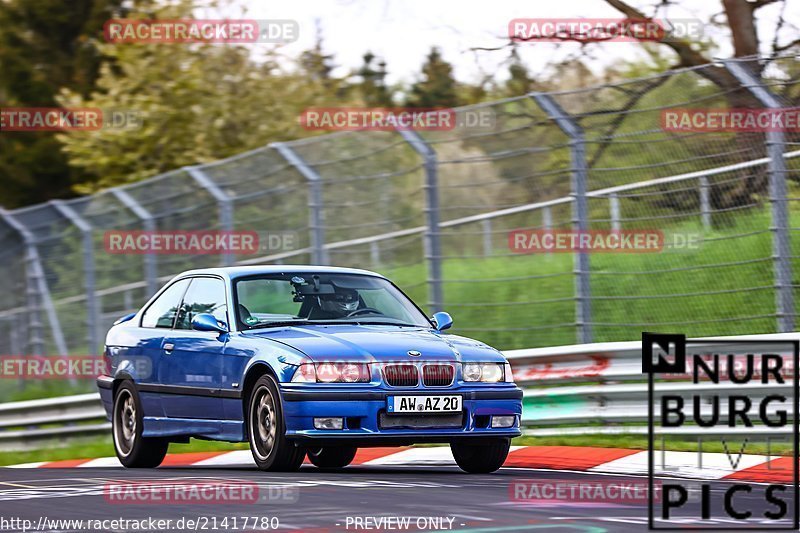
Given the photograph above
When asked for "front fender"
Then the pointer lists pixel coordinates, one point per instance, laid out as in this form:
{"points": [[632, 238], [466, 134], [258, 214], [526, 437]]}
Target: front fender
{"points": [[282, 372], [249, 357], [280, 362]]}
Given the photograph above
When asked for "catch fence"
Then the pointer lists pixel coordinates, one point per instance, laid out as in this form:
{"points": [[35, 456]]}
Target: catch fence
{"points": [[434, 211]]}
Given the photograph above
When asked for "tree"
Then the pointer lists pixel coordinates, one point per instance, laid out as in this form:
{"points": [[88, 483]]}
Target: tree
{"points": [[372, 87], [315, 62], [196, 103], [741, 21], [437, 88], [519, 77], [741, 18], [44, 46]]}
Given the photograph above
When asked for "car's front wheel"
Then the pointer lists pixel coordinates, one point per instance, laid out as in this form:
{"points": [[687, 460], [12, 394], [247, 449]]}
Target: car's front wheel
{"points": [[267, 431], [480, 456], [331, 457], [133, 450]]}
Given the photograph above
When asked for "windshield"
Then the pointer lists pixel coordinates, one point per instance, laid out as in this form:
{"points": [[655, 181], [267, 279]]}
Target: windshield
{"points": [[279, 299]]}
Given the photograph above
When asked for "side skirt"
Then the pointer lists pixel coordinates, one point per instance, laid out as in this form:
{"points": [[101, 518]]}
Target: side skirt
{"points": [[225, 430]]}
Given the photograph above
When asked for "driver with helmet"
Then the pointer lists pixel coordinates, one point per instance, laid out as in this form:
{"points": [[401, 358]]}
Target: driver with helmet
{"points": [[335, 305]]}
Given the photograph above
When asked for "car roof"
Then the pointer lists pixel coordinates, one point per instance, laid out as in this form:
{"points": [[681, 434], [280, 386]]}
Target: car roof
{"points": [[234, 272]]}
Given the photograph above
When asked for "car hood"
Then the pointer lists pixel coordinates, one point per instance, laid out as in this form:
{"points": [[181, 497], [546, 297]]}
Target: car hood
{"points": [[378, 343]]}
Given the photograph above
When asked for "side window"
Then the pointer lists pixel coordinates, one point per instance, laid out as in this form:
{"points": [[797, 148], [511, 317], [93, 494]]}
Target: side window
{"points": [[161, 314], [205, 295]]}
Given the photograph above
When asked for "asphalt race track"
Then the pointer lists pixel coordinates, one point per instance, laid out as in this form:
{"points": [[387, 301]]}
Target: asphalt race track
{"points": [[432, 498]]}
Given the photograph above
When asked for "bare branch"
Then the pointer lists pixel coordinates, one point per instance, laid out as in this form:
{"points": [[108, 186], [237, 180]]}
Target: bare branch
{"points": [[785, 47]]}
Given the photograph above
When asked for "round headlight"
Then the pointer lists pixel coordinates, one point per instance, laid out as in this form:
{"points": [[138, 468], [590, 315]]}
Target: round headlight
{"points": [[492, 372], [327, 373], [472, 372], [351, 373], [305, 373]]}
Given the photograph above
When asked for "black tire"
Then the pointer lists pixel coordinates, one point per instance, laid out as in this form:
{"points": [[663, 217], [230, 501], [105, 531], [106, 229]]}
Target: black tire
{"points": [[266, 430], [480, 456], [127, 423], [331, 457]]}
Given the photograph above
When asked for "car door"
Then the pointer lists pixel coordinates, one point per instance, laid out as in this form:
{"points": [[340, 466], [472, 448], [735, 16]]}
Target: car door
{"points": [[191, 362], [156, 323]]}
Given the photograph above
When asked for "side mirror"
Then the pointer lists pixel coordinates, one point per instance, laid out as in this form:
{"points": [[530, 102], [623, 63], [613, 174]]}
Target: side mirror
{"points": [[207, 322], [442, 320]]}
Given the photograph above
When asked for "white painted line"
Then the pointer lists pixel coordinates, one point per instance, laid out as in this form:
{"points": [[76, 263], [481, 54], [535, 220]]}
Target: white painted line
{"points": [[440, 455], [234, 458], [102, 462], [682, 464], [28, 465]]}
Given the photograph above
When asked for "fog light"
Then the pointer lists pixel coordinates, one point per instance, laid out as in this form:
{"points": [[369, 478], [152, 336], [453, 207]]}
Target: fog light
{"points": [[328, 423], [503, 421]]}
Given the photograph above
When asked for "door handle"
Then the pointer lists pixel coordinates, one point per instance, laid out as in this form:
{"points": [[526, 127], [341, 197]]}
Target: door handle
{"points": [[168, 347]]}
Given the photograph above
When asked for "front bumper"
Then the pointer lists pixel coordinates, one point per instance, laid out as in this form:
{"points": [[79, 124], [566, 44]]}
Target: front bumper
{"points": [[362, 409]]}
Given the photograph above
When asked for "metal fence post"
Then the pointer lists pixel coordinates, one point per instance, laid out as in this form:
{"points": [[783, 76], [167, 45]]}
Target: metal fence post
{"points": [[148, 222], [433, 246], [613, 204], [375, 253], [315, 201], [486, 223], [14, 337], [92, 307], [224, 204], [705, 204], [580, 217], [547, 218], [776, 168], [38, 294]]}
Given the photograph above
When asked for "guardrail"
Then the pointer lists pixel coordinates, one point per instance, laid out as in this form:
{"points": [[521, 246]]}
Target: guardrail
{"points": [[568, 390], [600, 388], [33, 423]]}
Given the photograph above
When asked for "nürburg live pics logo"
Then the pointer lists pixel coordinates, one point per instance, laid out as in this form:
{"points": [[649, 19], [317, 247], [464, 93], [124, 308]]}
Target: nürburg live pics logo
{"points": [[732, 402]]}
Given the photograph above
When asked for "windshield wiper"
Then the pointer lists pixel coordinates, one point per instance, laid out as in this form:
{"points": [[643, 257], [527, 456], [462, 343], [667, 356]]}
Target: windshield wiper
{"points": [[285, 323], [299, 322], [385, 323], [279, 324]]}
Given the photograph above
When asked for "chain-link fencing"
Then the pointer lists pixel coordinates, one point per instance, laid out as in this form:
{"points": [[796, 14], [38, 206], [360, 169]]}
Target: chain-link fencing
{"points": [[437, 211]]}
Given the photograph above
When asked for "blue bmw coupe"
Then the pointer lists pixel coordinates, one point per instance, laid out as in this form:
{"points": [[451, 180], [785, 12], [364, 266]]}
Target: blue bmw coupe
{"points": [[302, 361]]}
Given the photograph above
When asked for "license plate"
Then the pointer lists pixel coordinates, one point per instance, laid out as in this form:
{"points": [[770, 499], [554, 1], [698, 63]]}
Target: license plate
{"points": [[423, 404]]}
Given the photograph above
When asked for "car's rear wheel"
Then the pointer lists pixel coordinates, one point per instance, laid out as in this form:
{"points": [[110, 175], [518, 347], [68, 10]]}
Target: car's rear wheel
{"points": [[331, 457], [267, 431], [127, 424], [480, 456]]}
